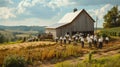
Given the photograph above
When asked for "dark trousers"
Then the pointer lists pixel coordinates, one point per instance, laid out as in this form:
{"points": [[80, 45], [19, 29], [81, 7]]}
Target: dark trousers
{"points": [[100, 45], [106, 41], [69, 41], [82, 43], [64, 41], [56, 40], [90, 45], [95, 43]]}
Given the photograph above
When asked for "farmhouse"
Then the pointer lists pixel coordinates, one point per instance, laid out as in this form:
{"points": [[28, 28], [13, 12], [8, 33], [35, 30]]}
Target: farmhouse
{"points": [[72, 23]]}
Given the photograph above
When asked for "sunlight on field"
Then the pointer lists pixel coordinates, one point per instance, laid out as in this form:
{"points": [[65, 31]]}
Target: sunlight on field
{"points": [[52, 52], [19, 45]]}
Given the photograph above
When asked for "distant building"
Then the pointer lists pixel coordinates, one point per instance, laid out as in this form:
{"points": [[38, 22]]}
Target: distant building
{"points": [[76, 21]]}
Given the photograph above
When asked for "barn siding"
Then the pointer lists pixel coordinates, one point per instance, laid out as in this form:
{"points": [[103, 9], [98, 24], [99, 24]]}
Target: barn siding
{"points": [[83, 23]]}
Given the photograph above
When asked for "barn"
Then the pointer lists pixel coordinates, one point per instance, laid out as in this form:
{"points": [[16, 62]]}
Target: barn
{"points": [[72, 23]]}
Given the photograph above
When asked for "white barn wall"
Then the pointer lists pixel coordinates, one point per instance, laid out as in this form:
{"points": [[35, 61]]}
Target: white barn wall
{"points": [[82, 23]]}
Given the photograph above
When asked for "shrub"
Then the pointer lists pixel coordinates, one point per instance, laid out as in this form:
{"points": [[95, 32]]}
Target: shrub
{"points": [[14, 61], [90, 56]]}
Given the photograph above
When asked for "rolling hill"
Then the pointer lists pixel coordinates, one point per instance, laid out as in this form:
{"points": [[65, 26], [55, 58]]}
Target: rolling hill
{"points": [[39, 29]]}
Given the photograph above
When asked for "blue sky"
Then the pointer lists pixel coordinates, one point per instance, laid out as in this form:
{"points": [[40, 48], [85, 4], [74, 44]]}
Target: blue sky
{"points": [[48, 12]]}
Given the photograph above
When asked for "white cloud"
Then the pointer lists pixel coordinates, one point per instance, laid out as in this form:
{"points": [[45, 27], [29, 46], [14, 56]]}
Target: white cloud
{"points": [[59, 3], [28, 22], [119, 8], [101, 11], [10, 1], [34, 2], [6, 13], [24, 4]]}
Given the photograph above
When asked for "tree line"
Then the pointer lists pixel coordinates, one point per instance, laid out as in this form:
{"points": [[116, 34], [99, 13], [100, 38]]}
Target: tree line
{"points": [[112, 18]]}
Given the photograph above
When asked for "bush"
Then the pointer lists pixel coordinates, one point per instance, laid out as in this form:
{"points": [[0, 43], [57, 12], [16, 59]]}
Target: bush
{"points": [[14, 61]]}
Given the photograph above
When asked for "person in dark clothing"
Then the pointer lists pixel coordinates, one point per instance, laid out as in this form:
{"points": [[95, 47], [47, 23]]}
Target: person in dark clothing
{"points": [[61, 40], [89, 42], [95, 41], [82, 42], [100, 42], [69, 40], [106, 40], [64, 39]]}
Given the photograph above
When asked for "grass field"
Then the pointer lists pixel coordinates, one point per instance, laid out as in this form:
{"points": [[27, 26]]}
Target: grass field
{"points": [[44, 53], [116, 29], [51, 54], [110, 61], [111, 31]]}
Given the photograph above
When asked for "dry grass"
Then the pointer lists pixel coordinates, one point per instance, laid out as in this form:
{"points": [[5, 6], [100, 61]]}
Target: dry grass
{"points": [[42, 51], [39, 51]]}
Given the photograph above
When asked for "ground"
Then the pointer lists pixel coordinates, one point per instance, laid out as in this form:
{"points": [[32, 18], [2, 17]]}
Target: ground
{"points": [[109, 49]]}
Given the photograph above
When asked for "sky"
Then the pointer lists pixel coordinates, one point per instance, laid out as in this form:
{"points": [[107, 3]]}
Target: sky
{"points": [[48, 12]]}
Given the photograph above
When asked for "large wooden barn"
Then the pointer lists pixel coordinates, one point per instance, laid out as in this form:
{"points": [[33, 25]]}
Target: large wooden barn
{"points": [[76, 21]]}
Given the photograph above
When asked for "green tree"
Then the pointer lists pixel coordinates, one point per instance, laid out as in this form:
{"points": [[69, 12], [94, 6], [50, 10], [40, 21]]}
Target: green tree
{"points": [[112, 18]]}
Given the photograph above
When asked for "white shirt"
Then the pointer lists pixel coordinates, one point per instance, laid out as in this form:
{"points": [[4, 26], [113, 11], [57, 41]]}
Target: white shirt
{"points": [[95, 38], [73, 36], [106, 38], [82, 39], [64, 38], [76, 38], [100, 40], [66, 35], [91, 36], [89, 39], [69, 39], [60, 38]]}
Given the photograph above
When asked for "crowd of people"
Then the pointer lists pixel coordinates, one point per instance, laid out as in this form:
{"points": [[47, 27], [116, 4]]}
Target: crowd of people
{"points": [[92, 40]]}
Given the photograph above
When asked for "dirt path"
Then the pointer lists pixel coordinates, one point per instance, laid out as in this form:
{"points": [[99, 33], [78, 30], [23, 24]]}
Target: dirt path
{"points": [[76, 60], [100, 53]]}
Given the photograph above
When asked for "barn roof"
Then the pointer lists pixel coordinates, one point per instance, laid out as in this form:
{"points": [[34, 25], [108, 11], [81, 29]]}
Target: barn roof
{"points": [[68, 18], [56, 25]]}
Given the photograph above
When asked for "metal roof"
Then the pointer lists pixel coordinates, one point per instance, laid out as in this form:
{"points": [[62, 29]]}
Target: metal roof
{"points": [[68, 18], [56, 25]]}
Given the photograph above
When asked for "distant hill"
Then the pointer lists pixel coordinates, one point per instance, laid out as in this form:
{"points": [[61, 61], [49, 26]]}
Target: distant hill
{"points": [[39, 29]]}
